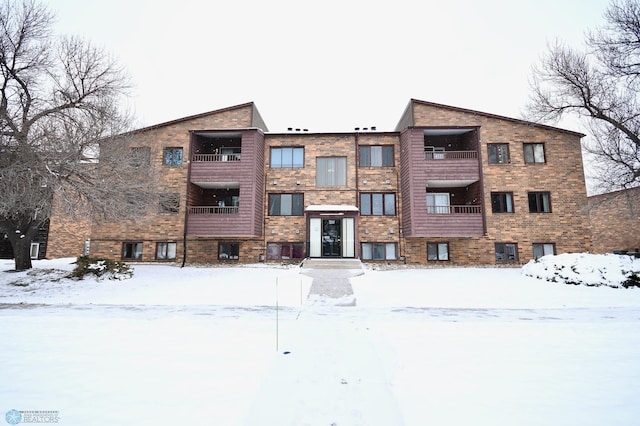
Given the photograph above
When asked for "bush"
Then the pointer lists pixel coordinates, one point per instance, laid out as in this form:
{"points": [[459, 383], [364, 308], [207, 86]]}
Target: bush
{"points": [[100, 267], [633, 280]]}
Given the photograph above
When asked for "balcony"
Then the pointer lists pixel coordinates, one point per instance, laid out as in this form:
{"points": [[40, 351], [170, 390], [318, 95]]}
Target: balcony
{"points": [[201, 158], [454, 209], [452, 221], [450, 155], [450, 168], [213, 210]]}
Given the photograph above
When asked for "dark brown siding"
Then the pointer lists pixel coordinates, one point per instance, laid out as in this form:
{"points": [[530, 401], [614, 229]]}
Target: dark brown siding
{"points": [[249, 173]]}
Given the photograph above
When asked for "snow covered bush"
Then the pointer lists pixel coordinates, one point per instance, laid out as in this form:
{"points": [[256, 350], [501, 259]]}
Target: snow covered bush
{"points": [[100, 267], [586, 269]]}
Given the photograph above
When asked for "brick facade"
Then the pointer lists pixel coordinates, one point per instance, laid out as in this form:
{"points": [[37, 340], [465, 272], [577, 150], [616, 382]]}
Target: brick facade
{"points": [[615, 221], [68, 233], [561, 175]]}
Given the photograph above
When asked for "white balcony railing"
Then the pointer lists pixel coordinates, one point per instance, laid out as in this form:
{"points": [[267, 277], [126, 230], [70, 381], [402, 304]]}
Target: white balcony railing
{"points": [[465, 209], [215, 157], [450, 155], [213, 210]]}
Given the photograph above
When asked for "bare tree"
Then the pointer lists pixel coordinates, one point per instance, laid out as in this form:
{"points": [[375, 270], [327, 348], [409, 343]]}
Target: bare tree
{"points": [[602, 86], [59, 120]]}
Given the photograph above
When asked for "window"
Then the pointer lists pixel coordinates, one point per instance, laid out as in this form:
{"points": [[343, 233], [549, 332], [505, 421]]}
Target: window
{"points": [[438, 203], [543, 249], [434, 153], [285, 251], [287, 157], [376, 156], [166, 251], [132, 251], [34, 250], [378, 251], [228, 251], [498, 153], [286, 204], [534, 153], [172, 157], [377, 204], [502, 202], [437, 251], [539, 202], [331, 171], [169, 203], [140, 156], [506, 252]]}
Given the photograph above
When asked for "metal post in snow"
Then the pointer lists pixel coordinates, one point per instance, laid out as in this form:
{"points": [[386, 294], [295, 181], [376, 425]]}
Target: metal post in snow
{"points": [[277, 319]]}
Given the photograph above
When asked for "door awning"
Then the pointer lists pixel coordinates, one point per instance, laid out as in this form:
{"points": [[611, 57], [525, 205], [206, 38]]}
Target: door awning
{"points": [[331, 208]]}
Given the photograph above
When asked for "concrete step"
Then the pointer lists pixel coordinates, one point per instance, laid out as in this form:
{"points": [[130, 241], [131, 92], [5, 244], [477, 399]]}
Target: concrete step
{"points": [[332, 263]]}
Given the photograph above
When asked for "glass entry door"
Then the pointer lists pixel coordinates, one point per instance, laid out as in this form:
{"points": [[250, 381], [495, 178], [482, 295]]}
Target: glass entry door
{"points": [[331, 237]]}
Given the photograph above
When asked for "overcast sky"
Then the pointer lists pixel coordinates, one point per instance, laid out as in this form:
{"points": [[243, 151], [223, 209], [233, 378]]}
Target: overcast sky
{"points": [[331, 65]]}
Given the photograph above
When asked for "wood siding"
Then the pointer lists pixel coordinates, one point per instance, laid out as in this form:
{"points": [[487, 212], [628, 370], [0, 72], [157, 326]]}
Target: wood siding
{"points": [[248, 172], [416, 172]]}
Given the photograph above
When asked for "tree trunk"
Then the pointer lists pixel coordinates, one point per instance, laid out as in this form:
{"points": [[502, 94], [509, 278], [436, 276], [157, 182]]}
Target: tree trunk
{"points": [[20, 240], [22, 253]]}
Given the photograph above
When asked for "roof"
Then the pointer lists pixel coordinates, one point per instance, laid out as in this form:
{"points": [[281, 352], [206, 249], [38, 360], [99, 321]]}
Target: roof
{"points": [[489, 115], [204, 114]]}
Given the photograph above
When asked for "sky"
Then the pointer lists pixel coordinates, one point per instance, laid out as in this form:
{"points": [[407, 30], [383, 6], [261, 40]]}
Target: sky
{"points": [[327, 66]]}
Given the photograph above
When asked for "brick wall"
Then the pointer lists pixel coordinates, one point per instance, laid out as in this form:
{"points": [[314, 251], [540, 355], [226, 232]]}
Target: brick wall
{"points": [[567, 226], [107, 236], [615, 221], [562, 175], [68, 231]]}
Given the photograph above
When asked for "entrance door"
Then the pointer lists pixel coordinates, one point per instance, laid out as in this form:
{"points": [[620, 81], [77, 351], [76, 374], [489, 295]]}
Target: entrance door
{"points": [[331, 237]]}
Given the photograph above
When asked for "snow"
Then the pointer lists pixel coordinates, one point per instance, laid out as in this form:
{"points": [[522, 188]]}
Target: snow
{"points": [[249, 345], [582, 268]]}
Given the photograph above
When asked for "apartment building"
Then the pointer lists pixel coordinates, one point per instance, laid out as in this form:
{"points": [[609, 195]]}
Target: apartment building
{"points": [[447, 186]]}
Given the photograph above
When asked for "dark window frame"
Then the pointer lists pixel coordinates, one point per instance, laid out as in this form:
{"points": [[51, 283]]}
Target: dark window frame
{"points": [[366, 160], [500, 202], [172, 160], [438, 254], [532, 154], [129, 251], [496, 146], [140, 156], [169, 203], [278, 196], [165, 255], [229, 248], [293, 247], [382, 245], [541, 245], [281, 150], [501, 250], [537, 202], [370, 210]]}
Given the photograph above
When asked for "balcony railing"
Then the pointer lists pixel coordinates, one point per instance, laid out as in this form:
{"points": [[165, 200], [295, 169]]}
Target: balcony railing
{"points": [[215, 157], [213, 210], [450, 155], [465, 209]]}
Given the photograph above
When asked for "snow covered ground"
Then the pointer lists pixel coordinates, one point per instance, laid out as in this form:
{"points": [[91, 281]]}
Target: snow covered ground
{"points": [[243, 346]]}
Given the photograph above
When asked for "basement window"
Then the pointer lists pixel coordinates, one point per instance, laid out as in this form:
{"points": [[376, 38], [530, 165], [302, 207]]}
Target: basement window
{"points": [[132, 250], [228, 251], [166, 251]]}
